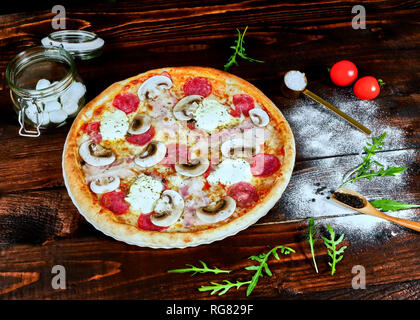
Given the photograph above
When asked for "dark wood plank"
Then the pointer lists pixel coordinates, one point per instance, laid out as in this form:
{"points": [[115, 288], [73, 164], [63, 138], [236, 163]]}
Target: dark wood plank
{"points": [[107, 269]]}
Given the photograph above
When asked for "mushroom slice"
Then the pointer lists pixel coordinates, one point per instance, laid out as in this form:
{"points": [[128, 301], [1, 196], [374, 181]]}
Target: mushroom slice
{"points": [[151, 88], [168, 209], [240, 148], [193, 168], [95, 154], [152, 154], [185, 107], [259, 117], [217, 211], [105, 184], [140, 124]]}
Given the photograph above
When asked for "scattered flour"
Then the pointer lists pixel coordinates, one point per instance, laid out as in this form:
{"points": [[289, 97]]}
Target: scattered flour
{"points": [[320, 133]]}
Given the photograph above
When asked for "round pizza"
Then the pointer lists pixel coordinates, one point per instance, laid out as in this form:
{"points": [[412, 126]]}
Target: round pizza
{"points": [[177, 157]]}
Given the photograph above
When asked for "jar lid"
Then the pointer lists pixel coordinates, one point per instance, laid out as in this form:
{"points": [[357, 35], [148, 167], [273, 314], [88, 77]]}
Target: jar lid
{"points": [[80, 43]]}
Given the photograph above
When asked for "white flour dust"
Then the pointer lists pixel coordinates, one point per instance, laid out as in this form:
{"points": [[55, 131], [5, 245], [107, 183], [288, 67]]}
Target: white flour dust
{"points": [[319, 133]]}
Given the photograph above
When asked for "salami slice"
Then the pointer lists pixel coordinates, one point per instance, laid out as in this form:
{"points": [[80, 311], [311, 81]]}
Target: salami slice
{"points": [[199, 85], [92, 129], [244, 194], [264, 165], [145, 223], [143, 138], [127, 102], [114, 201], [244, 103]]}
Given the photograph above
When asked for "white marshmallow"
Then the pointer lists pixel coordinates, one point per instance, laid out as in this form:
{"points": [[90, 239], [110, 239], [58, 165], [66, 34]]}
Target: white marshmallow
{"points": [[58, 116], [52, 106], [31, 112], [44, 118], [70, 107], [73, 93], [42, 84]]}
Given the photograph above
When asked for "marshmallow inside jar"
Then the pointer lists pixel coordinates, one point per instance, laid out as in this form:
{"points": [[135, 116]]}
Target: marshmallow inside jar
{"points": [[294, 82]]}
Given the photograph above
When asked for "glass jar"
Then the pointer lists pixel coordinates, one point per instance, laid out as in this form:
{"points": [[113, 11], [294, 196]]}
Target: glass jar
{"points": [[45, 88]]}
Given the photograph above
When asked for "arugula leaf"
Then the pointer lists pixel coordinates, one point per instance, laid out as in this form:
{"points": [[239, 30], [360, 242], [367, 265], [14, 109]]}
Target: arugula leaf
{"points": [[364, 171], [203, 269], [333, 252], [262, 259], [391, 205], [312, 231], [223, 288], [239, 51]]}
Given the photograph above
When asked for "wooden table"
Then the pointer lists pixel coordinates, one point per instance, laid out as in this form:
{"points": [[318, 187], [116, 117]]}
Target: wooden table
{"points": [[40, 227]]}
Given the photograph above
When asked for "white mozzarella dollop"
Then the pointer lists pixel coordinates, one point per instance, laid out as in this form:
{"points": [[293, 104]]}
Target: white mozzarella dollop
{"points": [[52, 106], [231, 171], [211, 115], [144, 193], [114, 125]]}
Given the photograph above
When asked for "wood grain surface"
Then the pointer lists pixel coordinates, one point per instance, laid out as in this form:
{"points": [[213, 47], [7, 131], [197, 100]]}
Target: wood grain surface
{"points": [[40, 227]]}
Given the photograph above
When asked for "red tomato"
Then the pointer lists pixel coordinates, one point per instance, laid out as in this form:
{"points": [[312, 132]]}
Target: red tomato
{"points": [[343, 73], [366, 88]]}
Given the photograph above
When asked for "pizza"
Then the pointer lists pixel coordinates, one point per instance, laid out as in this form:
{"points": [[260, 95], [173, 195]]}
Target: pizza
{"points": [[177, 157]]}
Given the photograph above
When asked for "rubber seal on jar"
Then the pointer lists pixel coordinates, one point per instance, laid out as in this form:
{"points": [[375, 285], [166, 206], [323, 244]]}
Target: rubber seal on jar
{"points": [[80, 43]]}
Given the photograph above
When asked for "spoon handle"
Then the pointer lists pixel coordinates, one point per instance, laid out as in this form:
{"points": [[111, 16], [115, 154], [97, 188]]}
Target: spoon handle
{"points": [[413, 225], [337, 111]]}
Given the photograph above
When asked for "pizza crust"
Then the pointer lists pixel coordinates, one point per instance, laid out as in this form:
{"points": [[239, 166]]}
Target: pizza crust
{"points": [[102, 219]]}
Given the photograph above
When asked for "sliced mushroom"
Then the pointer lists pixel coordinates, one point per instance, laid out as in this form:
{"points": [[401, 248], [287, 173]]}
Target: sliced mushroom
{"points": [[152, 87], [259, 117], [217, 211], [168, 209], [185, 107], [193, 168], [239, 148], [95, 154], [152, 154], [140, 124], [105, 184]]}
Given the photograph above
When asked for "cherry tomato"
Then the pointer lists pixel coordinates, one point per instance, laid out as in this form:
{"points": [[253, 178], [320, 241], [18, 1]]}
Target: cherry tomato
{"points": [[366, 88], [343, 73]]}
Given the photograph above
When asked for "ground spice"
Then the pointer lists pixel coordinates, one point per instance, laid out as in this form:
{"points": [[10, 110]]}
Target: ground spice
{"points": [[349, 199]]}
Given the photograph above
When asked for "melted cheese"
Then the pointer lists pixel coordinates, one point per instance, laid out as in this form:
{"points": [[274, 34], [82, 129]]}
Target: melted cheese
{"points": [[231, 171], [211, 115], [144, 193], [114, 125]]}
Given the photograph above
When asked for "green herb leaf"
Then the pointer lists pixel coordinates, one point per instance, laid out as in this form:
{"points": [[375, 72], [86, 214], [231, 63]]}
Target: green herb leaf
{"points": [[312, 231], [222, 288], [365, 171], [262, 259], [391, 205], [333, 251], [203, 269], [239, 51]]}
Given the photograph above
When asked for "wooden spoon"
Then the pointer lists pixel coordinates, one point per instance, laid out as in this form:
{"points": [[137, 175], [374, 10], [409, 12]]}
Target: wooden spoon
{"points": [[372, 211]]}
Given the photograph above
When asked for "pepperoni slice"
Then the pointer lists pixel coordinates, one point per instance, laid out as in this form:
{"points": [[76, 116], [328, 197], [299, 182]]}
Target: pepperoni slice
{"points": [[243, 193], [92, 129], [199, 85], [244, 103], [264, 165], [145, 223], [114, 201], [127, 102], [143, 138]]}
